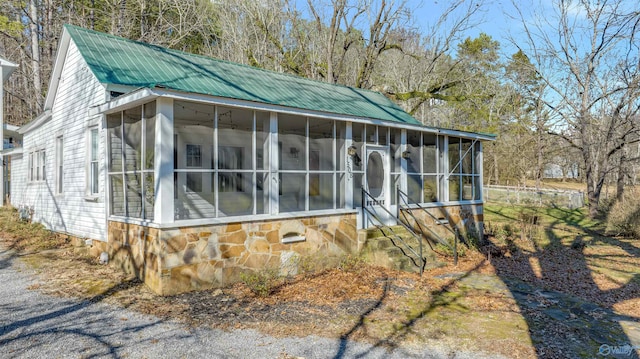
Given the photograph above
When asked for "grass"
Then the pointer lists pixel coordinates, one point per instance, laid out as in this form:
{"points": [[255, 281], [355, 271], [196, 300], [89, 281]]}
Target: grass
{"points": [[25, 236], [552, 248], [603, 269]]}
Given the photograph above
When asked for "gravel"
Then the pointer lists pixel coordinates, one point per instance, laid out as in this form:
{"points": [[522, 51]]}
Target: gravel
{"points": [[34, 325]]}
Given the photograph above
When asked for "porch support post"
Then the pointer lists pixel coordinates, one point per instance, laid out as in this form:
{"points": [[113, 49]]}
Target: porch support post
{"points": [[445, 169], [479, 166], [6, 68], [163, 162], [4, 172], [403, 163], [274, 156], [348, 190]]}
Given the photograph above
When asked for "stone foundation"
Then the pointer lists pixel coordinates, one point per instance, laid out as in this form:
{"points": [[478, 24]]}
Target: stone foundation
{"points": [[177, 260], [468, 219]]}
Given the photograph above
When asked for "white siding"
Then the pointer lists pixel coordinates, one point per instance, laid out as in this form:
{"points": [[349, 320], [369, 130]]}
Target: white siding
{"points": [[70, 212], [18, 178]]}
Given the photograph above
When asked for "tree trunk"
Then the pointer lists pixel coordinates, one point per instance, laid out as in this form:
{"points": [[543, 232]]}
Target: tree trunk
{"points": [[622, 174], [539, 159], [92, 19], [121, 14], [496, 171], [35, 53]]}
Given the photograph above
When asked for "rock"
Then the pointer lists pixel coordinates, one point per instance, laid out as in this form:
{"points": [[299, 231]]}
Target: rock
{"points": [[104, 258]]}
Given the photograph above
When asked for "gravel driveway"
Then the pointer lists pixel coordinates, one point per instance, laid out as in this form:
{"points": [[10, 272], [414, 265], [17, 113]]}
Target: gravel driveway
{"points": [[33, 325]]}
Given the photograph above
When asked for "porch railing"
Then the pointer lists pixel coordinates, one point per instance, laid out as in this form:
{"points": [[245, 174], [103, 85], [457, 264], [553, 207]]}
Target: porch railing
{"points": [[406, 208], [368, 215]]}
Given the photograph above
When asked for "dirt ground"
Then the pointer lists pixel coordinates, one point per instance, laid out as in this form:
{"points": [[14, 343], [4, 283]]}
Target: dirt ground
{"points": [[476, 305]]}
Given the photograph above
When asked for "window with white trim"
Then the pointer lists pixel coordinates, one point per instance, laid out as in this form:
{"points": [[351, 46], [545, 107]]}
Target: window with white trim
{"points": [[59, 165], [464, 170], [130, 151], [37, 166], [92, 162], [30, 174]]}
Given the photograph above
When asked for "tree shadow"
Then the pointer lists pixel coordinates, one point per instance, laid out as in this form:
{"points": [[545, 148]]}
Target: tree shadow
{"points": [[568, 311], [555, 289], [442, 298], [87, 321]]}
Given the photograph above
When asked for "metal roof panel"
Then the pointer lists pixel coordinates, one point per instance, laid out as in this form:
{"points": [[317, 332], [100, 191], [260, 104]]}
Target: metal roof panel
{"points": [[115, 60]]}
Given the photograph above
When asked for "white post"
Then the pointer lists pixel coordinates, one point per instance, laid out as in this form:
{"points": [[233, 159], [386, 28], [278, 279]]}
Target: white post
{"points": [[445, 169], [6, 68], [348, 182], [480, 167], [2, 134], [274, 155], [403, 164], [164, 204]]}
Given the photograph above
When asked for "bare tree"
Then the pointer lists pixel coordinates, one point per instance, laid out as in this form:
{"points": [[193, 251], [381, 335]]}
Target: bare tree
{"points": [[35, 51], [582, 53], [435, 72], [342, 17]]}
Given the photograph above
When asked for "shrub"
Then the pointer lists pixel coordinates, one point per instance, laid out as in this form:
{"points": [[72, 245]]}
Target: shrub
{"points": [[351, 263], [262, 283], [448, 250], [623, 217]]}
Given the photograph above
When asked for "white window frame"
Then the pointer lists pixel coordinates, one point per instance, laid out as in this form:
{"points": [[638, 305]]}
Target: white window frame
{"points": [[42, 162], [59, 170], [37, 166], [31, 167], [92, 167]]}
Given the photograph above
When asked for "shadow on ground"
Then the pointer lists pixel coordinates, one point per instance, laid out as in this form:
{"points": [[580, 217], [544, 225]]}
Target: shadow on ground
{"points": [[560, 283], [563, 298], [37, 327]]}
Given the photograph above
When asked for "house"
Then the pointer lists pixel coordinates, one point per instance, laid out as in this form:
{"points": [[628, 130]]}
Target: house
{"points": [[189, 170], [7, 132]]}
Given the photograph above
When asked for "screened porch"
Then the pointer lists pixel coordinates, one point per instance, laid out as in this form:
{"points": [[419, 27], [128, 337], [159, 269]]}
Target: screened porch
{"points": [[175, 162]]}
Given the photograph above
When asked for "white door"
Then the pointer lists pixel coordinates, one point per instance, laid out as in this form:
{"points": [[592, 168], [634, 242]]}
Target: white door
{"points": [[376, 183]]}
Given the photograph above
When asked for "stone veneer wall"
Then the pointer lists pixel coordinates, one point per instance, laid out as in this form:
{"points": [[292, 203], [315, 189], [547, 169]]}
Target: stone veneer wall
{"points": [[172, 261], [467, 218]]}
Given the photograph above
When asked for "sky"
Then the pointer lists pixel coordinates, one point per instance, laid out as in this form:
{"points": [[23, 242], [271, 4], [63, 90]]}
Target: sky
{"points": [[494, 18], [490, 18], [497, 18]]}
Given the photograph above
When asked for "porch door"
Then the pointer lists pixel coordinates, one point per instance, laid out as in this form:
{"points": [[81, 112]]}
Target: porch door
{"points": [[376, 183]]}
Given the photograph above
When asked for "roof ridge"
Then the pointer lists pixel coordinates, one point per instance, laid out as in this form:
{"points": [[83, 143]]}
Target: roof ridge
{"points": [[142, 43]]}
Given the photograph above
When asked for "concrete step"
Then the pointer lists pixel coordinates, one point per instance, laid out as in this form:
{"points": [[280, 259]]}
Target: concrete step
{"points": [[377, 233], [384, 247]]}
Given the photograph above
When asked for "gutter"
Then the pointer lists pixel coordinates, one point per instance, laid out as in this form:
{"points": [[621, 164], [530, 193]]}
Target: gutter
{"points": [[37, 122]]}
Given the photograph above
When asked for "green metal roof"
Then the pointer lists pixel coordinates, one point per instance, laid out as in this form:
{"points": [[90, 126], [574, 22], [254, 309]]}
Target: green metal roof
{"points": [[115, 60]]}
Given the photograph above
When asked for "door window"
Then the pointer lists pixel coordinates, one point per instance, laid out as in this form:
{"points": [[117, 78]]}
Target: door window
{"points": [[375, 174]]}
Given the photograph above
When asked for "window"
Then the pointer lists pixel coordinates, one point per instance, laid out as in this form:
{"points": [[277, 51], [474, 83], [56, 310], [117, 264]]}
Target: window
{"points": [[464, 169], [37, 166], [292, 137], [41, 166], [413, 158], [395, 139], [93, 161], [236, 161], [321, 185], [230, 158], [430, 167], [30, 175], [131, 144], [194, 156], [59, 164]]}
